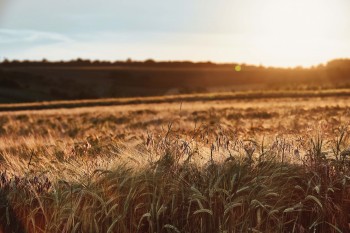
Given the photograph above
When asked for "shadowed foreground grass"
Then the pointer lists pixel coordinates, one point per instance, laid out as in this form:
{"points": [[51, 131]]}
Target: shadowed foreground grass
{"points": [[172, 185]]}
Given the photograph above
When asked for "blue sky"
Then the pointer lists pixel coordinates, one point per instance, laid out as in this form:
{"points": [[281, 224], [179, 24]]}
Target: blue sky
{"points": [[269, 32]]}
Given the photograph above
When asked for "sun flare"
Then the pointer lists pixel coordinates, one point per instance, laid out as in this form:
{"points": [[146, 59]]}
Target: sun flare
{"points": [[299, 32]]}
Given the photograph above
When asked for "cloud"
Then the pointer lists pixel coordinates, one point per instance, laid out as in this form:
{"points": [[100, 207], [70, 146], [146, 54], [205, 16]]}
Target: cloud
{"points": [[30, 37], [3, 7]]}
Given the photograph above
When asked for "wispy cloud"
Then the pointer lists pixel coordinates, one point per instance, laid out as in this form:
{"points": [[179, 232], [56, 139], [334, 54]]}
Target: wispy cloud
{"points": [[15, 36]]}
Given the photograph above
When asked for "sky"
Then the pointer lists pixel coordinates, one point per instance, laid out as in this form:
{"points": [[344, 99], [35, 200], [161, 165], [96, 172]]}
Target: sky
{"points": [[283, 33]]}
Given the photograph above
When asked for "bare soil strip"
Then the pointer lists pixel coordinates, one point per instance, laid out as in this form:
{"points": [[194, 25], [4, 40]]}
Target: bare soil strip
{"points": [[176, 99]]}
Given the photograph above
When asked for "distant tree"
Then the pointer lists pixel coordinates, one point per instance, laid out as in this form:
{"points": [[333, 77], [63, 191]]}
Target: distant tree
{"points": [[149, 61]]}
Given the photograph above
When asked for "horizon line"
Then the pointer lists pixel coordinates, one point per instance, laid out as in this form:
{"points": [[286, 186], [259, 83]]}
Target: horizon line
{"points": [[4, 59]]}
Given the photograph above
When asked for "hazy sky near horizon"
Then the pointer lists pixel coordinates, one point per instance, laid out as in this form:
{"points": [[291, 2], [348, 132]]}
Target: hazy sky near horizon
{"points": [[268, 32]]}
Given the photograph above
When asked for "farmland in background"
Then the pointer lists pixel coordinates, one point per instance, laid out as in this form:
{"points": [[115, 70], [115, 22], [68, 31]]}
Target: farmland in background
{"points": [[28, 81]]}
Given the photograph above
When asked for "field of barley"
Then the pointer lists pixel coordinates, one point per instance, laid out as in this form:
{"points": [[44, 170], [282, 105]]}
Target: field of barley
{"points": [[254, 162]]}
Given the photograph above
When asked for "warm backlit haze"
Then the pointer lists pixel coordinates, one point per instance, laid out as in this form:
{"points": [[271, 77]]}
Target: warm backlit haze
{"points": [[174, 116], [270, 32]]}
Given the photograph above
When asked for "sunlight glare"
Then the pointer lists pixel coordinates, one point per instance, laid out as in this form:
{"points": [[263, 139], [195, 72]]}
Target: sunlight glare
{"points": [[298, 32]]}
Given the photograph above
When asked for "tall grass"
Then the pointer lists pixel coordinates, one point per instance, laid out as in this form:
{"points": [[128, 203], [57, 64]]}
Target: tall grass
{"points": [[170, 182]]}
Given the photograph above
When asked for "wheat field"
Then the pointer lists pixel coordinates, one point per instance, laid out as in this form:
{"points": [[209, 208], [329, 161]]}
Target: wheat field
{"points": [[232, 165]]}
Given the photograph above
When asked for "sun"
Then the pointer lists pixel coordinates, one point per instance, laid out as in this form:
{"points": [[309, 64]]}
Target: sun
{"points": [[298, 32]]}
